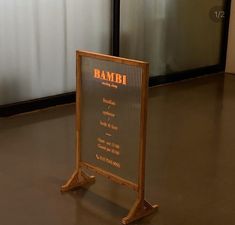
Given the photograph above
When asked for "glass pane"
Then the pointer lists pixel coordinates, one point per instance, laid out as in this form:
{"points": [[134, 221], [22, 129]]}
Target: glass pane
{"points": [[38, 41], [110, 118], [173, 35]]}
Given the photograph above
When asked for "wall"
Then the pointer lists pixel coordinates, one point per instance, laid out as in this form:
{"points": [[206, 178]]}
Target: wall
{"points": [[38, 40], [230, 67]]}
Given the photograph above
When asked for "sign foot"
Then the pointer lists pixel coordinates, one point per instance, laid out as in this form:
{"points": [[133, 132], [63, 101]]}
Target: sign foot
{"points": [[138, 211], [78, 179]]}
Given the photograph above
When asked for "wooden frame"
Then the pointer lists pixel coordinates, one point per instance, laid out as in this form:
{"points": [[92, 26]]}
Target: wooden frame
{"points": [[141, 207]]}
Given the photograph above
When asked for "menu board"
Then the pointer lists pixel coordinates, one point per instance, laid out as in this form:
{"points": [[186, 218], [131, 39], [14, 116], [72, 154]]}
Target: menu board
{"points": [[110, 115], [111, 125]]}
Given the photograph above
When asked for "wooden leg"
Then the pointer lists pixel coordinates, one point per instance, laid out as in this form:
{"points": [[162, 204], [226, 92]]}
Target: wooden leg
{"points": [[78, 179], [138, 211]]}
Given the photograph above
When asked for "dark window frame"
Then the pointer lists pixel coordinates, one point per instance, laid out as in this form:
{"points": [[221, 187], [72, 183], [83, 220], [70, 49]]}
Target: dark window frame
{"points": [[45, 102]]}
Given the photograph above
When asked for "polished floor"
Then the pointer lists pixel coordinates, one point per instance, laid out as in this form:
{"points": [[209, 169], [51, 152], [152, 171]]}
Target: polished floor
{"points": [[190, 162]]}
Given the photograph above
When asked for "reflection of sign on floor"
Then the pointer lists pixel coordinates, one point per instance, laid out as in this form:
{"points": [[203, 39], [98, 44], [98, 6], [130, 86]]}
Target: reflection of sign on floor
{"points": [[111, 124]]}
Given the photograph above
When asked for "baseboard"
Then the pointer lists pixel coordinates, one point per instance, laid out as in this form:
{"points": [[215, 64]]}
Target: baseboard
{"points": [[41, 103], [184, 75], [35, 104]]}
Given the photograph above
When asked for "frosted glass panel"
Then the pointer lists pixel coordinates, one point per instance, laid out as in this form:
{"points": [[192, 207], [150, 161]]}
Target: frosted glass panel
{"points": [[38, 40], [173, 35], [110, 136]]}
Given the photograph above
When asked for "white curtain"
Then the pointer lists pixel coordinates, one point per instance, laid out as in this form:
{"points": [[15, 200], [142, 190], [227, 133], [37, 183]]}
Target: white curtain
{"points": [[38, 40]]}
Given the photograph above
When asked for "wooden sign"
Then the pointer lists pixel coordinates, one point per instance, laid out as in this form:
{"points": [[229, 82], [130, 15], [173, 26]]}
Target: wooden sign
{"points": [[111, 117]]}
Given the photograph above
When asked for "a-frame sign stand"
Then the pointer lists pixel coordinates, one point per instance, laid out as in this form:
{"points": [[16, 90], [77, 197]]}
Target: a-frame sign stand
{"points": [[141, 207]]}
